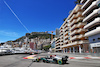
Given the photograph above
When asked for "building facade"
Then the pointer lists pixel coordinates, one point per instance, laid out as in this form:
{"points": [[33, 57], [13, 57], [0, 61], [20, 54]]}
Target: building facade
{"points": [[72, 33], [92, 18]]}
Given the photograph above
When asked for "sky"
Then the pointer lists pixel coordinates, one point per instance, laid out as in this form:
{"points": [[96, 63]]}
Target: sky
{"points": [[31, 16]]}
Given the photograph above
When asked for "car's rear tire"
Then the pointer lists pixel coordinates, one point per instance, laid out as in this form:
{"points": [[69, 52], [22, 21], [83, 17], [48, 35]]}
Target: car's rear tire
{"points": [[59, 62]]}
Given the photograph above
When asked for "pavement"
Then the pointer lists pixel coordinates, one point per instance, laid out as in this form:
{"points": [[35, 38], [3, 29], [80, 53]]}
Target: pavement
{"points": [[18, 61]]}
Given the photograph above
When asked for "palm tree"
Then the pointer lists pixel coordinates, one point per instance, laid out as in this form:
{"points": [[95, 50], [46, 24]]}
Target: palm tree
{"points": [[77, 2]]}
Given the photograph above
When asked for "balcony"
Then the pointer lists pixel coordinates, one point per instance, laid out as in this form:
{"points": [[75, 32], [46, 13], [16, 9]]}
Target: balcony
{"points": [[66, 41], [57, 46], [81, 30], [61, 43], [93, 23], [81, 25], [61, 33], [61, 30], [93, 32], [70, 44], [95, 13], [75, 37], [66, 37], [73, 27], [74, 32], [61, 37], [65, 25], [81, 36], [66, 28], [74, 21], [83, 1], [79, 14], [78, 9], [83, 42], [73, 17], [86, 4], [91, 7], [65, 33], [80, 19]]}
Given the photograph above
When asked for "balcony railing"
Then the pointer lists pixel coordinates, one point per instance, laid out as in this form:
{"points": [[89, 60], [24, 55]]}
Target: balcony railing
{"points": [[91, 7], [81, 36], [74, 43], [66, 37], [75, 37], [65, 41], [83, 41], [74, 26], [75, 31], [82, 1], [78, 9], [86, 4], [81, 30], [80, 19], [81, 24], [93, 23], [66, 28], [93, 32], [74, 21], [79, 14], [61, 33], [66, 33], [74, 16], [95, 13]]}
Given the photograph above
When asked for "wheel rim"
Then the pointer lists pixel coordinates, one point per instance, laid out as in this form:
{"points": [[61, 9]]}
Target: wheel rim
{"points": [[59, 61]]}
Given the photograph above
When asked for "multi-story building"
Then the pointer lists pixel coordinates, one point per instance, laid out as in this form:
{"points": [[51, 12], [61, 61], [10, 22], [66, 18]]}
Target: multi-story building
{"points": [[73, 32], [57, 45], [92, 17]]}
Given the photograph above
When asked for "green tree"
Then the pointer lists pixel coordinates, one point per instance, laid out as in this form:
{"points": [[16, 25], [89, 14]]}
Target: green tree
{"points": [[46, 48]]}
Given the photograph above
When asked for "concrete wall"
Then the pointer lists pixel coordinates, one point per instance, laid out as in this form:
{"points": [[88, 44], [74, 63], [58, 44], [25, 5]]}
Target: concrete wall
{"points": [[94, 37]]}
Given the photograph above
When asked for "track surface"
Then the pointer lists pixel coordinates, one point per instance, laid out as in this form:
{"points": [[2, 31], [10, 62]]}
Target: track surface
{"points": [[18, 61]]}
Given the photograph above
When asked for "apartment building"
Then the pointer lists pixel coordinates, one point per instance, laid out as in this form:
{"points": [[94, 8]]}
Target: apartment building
{"points": [[92, 17], [73, 32], [58, 45]]}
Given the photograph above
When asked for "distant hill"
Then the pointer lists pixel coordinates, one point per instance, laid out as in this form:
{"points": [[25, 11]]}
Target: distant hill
{"points": [[41, 35]]}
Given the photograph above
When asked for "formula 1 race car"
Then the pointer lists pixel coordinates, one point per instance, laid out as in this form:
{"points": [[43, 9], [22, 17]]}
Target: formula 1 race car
{"points": [[53, 59]]}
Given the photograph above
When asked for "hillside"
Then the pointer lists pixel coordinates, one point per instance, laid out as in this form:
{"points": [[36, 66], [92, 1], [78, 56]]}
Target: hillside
{"points": [[41, 35]]}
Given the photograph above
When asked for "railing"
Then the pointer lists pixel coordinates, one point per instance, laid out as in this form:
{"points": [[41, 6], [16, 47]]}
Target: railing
{"points": [[76, 36], [66, 41], [83, 41], [80, 19], [74, 26], [75, 31], [74, 21], [81, 24], [79, 14], [78, 9]]}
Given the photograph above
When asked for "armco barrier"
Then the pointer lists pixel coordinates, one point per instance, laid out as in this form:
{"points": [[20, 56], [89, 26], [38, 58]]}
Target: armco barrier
{"points": [[84, 57]]}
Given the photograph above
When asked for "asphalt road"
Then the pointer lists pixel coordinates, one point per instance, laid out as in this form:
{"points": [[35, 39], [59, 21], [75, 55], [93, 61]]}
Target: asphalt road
{"points": [[18, 61]]}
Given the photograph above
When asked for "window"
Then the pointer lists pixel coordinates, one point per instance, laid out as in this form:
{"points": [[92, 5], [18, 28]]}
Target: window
{"points": [[93, 39], [98, 38]]}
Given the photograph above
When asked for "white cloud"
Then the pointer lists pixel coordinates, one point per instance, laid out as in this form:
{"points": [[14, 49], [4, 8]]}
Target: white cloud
{"points": [[10, 34]]}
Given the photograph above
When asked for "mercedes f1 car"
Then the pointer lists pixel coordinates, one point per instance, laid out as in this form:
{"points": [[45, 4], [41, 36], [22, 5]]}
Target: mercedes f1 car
{"points": [[53, 59]]}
